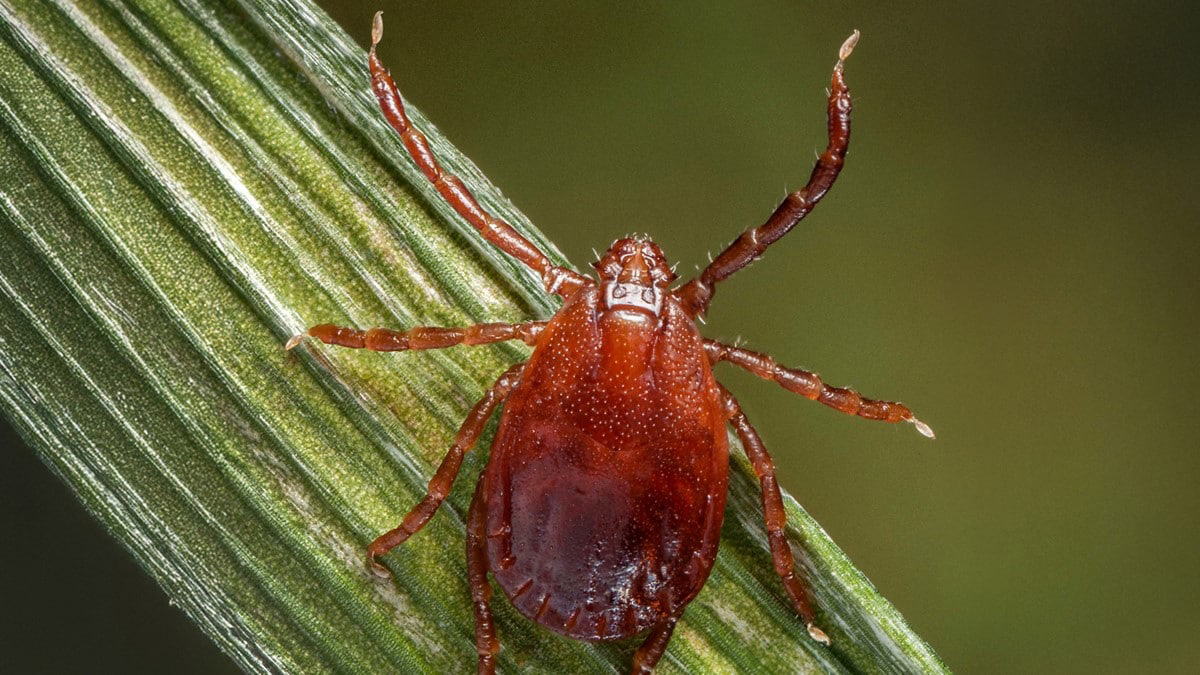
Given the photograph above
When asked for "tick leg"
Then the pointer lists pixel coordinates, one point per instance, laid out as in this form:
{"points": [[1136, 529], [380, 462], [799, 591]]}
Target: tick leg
{"points": [[557, 279], [809, 385], [775, 516], [487, 643], [652, 648], [439, 485], [697, 293], [421, 337]]}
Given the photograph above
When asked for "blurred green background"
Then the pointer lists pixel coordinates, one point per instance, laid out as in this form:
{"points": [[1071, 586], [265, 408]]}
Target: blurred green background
{"points": [[1011, 250]]}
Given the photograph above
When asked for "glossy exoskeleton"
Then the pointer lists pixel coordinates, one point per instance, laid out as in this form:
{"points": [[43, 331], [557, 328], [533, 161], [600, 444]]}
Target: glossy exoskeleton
{"points": [[600, 508]]}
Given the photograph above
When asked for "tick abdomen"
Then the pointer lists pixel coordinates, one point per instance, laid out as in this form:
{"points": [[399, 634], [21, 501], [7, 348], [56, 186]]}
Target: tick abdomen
{"points": [[603, 516]]}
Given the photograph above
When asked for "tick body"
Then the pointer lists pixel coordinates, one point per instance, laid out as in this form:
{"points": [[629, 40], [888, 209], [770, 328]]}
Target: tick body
{"points": [[600, 509], [606, 485]]}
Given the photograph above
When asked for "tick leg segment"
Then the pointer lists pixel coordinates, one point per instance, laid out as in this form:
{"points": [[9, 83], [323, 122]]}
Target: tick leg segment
{"points": [[487, 643], [421, 337], [697, 293], [809, 385], [439, 485], [652, 648], [775, 516], [557, 279]]}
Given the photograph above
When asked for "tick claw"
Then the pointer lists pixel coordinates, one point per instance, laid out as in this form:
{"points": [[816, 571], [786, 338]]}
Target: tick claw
{"points": [[294, 341], [848, 46], [376, 28], [378, 569], [817, 634], [922, 428]]}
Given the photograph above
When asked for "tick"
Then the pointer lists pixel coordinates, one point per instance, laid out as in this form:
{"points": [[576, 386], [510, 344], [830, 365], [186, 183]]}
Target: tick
{"points": [[600, 508]]}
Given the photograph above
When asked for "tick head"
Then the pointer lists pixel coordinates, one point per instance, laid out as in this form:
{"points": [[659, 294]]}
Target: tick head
{"points": [[634, 275]]}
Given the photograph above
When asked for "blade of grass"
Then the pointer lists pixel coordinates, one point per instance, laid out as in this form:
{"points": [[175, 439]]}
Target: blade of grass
{"points": [[183, 186]]}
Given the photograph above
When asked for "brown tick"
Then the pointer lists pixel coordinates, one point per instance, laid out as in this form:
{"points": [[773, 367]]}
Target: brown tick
{"points": [[600, 508]]}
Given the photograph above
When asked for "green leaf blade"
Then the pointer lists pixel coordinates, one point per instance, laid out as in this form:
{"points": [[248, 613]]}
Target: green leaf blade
{"points": [[175, 201]]}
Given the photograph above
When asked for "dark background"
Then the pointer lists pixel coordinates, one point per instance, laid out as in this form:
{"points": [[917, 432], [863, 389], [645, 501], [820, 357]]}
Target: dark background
{"points": [[1011, 250]]}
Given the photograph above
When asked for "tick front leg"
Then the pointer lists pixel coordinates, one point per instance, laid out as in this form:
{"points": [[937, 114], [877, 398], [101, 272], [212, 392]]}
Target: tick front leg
{"points": [[421, 337], [556, 279], [809, 385], [697, 293], [440, 484], [653, 647], [487, 643], [775, 516]]}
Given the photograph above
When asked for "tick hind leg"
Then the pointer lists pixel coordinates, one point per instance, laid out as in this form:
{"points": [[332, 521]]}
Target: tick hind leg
{"points": [[487, 643], [556, 279], [775, 516], [810, 386], [440, 484], [421, 337], [653, 647]]}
